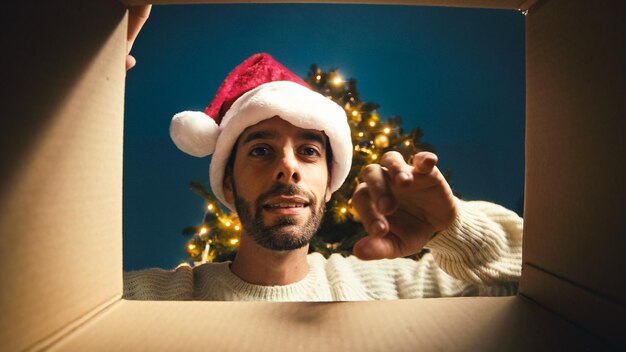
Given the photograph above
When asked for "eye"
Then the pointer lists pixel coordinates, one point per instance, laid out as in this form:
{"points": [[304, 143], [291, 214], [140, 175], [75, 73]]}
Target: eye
{"points": [[260, 151], [310, 151]]}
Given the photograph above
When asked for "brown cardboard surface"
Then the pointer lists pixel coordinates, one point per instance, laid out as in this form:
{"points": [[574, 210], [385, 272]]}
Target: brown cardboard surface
{"points": [[61, 165], [575, 146], [493, 4], [458, 324], [602, 317]]}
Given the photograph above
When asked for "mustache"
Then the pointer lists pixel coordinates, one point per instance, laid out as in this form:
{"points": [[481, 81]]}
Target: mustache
{"points": [[281, 189]]}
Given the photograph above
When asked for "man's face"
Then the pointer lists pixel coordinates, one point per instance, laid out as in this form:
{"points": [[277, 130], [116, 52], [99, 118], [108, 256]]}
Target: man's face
{"points": [[279, 183]]}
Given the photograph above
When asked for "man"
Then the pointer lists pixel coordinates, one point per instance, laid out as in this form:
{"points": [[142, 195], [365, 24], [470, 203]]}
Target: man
{"points": [[279, 151]]}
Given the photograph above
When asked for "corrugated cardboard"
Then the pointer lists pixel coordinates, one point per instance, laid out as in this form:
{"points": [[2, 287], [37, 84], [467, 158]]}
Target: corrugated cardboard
{"points": [[61, 169], [575, 160], [457, 324], [61, 183]]}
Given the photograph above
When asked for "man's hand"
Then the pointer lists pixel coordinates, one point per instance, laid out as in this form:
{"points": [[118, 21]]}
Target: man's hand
{"points": [[137, 16], [402, 206]]}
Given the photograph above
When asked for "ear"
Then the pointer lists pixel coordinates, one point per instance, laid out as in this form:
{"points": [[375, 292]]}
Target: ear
{"points": [[227, 186], [329, 194]]}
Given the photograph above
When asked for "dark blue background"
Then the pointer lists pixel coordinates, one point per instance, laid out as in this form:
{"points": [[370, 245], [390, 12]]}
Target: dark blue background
{"points": [[456, 73]]}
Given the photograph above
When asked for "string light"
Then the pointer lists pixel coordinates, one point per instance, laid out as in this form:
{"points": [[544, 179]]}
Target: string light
{"points": [[191, 246], [237, 227], [372, 123], [337, 80], [234, 241], [343, 210], [360, 134], [374, 156], [355, 113], [318, 77], [227, 224], [210, 207], [203, 230], [387, 130]]}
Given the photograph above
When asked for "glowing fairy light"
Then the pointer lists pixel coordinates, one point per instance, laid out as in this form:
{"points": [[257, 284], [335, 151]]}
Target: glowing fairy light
{"points": [[407, 142], [374, 156], [203, 230], [337, 80], [372, 123], [344, 210], [360, 134], [191, 246], [210, 207], [318, 77], [237, 227], [234, 241], [387, 130]]}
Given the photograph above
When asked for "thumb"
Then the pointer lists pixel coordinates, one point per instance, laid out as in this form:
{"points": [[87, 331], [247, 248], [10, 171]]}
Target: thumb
{"points": [[370, 248]]}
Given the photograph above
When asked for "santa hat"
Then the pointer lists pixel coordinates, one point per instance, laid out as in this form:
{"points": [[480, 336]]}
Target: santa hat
{"points": [[259, 89]]}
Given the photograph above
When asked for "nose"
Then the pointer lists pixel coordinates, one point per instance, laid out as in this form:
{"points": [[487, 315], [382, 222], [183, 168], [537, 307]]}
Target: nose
{"points": [[288, 168]]}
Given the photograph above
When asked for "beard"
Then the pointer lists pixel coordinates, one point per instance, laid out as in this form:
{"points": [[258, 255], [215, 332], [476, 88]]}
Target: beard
{"points": [[285, 233]]}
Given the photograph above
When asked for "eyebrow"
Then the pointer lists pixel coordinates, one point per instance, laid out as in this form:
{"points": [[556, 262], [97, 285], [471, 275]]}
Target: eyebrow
{"points": [[312, 136], [306, 135], [259, 135]]}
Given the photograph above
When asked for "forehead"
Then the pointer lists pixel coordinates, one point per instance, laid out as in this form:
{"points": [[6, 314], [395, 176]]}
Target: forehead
{"points": [[276, 127]]}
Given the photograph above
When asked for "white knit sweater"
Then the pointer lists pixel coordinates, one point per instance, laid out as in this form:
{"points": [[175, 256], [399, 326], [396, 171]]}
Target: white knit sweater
{"points": [[479, 254]]}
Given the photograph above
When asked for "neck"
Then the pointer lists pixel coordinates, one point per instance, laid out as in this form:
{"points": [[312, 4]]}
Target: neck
{"points": [[261, 266]]}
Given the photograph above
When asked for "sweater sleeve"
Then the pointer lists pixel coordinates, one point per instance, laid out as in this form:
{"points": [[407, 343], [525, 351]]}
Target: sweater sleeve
{"points": [[483, 245]]}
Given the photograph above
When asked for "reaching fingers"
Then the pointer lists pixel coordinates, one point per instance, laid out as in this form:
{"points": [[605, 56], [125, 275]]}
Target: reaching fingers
{"points": [[374, 221], [377, 181], [424, 162], [425, 172], [399, 171], [137, 16], [130, 62]]}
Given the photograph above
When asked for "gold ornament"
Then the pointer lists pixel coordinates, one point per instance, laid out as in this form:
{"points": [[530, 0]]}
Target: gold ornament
{"points": [[381, 141]]}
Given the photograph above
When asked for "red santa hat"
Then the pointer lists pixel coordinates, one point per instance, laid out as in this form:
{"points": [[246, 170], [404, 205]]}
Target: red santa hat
{"points": [[259, 89]]}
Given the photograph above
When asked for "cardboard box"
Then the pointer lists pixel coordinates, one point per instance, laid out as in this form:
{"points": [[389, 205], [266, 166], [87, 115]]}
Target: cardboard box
{"points": [[61, 204]]}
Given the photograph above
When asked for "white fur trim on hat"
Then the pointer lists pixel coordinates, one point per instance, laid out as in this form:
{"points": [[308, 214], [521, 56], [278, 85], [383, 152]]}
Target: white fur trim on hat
{"points": [[194, 133], [295, 104]]}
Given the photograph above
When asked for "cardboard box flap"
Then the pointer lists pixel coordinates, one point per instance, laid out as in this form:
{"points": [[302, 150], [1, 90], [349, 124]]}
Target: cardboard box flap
{"points": [[457, 324], [61, 167], [575, 160]]}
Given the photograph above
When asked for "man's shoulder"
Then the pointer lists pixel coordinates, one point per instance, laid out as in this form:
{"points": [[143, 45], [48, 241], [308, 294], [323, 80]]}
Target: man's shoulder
{"points": [[172, 284], [158, 284]]}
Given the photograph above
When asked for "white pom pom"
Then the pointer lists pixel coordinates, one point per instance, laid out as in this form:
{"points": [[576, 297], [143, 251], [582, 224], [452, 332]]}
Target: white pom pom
{"points": [[194, 133]]}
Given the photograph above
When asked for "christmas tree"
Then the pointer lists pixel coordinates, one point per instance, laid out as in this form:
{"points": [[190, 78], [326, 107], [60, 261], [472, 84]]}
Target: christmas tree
{"points": [[216, 239]]}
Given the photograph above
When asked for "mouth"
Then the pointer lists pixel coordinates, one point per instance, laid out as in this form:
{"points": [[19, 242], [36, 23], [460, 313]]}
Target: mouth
{"points": [[286, 204]]}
